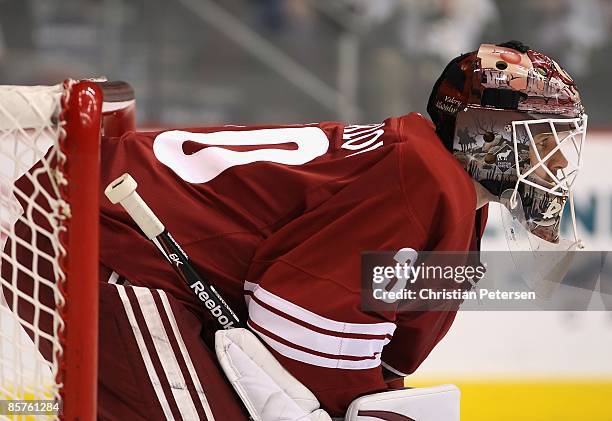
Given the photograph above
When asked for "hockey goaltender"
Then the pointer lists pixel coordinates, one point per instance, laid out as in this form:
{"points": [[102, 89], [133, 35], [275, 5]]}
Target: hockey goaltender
{"points": [[275, 218]]}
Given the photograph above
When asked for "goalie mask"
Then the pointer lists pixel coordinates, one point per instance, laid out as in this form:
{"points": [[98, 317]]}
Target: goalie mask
{"points": [[514, 119]]}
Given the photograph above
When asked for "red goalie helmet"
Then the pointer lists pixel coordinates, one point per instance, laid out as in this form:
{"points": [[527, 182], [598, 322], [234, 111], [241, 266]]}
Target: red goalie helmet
{"points": [[513, 117]]}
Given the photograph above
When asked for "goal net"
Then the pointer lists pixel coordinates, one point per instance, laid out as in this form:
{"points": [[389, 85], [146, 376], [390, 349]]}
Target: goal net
{"points": [[49, 143]]}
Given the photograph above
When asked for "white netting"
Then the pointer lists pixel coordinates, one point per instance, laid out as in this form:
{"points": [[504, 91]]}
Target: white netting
{"points": [[31, 251]]}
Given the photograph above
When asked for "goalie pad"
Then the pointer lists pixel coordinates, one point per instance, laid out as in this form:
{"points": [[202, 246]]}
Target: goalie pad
{"points": [[267, 390], [439, 403]]}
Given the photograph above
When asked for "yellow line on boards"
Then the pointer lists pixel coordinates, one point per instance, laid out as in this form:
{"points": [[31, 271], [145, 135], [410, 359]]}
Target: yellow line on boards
{"points": [[540, 400]]}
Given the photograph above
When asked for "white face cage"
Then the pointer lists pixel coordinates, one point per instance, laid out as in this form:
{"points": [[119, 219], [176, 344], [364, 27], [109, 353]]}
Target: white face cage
{"points": [[563, 180], [568, 144]]}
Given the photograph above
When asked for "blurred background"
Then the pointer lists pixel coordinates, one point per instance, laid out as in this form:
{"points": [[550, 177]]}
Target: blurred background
{"points": [[205, 62], [254, 61]]}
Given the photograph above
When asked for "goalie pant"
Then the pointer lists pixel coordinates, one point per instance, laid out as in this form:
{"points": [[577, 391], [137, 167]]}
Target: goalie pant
{"points": [[153, 364]]}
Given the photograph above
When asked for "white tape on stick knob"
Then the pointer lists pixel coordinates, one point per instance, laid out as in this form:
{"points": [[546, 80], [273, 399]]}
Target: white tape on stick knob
{"points": [[123, 191]]}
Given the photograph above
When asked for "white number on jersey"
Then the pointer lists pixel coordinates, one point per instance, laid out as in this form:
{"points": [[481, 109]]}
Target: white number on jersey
{"points": [[207, 163]]}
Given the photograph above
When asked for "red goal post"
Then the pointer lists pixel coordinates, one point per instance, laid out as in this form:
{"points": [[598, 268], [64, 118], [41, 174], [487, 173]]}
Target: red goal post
{"points": [[49, 210]]}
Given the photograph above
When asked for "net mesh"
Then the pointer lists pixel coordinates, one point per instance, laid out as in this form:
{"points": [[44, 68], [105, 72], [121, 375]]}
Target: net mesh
{"points": [[33, 220]]}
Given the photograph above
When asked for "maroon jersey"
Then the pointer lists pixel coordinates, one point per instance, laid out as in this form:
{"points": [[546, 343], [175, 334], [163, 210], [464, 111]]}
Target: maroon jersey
{"points": [[281, 214]]}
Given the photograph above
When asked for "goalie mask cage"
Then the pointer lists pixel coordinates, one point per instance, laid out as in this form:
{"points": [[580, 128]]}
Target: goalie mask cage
{"points": [[49, 207]]}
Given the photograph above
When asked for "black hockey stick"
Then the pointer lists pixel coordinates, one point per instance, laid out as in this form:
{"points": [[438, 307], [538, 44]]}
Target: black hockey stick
{"points": [[123, 191]]}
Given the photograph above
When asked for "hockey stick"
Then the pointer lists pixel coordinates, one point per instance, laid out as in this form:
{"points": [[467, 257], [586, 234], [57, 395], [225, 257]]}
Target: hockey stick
{"points": [[123, 191]]}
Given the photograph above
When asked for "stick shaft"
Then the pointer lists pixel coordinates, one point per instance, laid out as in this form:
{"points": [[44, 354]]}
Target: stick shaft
{"points": [[123, 191], [205, 293]]}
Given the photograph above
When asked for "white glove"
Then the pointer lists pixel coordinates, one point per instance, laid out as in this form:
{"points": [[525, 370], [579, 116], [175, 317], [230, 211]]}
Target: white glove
{"points": [[267, 390]]}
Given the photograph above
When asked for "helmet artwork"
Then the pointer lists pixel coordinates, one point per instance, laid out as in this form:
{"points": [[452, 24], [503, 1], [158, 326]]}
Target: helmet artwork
{"points": [[513, 117]]}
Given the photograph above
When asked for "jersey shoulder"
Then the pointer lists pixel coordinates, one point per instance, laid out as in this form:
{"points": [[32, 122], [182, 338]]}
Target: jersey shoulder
{"points": [[434, 182]]}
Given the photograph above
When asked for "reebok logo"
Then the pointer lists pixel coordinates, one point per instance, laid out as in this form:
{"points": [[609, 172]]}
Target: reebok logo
{"points": [[213, 307]]}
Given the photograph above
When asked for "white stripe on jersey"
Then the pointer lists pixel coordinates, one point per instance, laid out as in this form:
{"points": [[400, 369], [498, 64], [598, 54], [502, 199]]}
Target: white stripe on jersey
{"points": [[249, 286], [145, 354], [165, 354], [306, 342], [186, 357], [112, 279], [300, 313], [316, 341], [312, 359]]}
